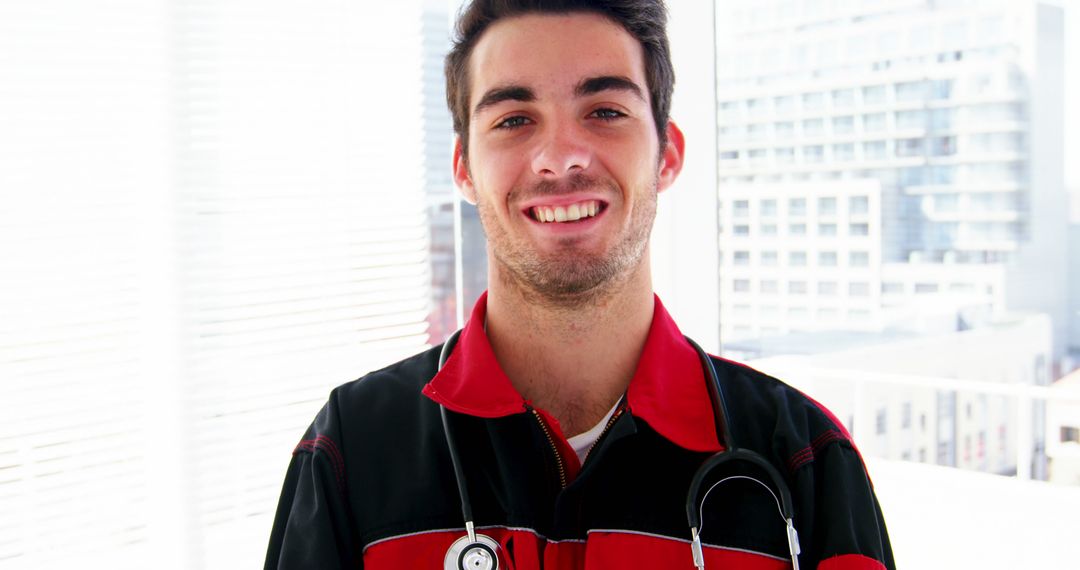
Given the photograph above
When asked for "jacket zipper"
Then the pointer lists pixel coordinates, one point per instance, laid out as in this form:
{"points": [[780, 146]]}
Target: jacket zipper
{"points": [[600, 438], [554, 449]]}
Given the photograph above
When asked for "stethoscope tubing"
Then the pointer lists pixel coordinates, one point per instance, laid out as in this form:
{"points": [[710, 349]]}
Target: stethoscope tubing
{"points": [[693, 514]]}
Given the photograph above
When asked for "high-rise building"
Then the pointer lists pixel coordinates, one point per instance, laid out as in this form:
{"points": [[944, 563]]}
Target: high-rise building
{"points": [[889, 164]]}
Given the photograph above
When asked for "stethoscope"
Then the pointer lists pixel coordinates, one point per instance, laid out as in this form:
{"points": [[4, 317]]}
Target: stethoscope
{"points": [[476, 551]]}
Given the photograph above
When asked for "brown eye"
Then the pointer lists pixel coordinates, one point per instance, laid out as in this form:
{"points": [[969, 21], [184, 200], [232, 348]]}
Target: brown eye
{"points": [[512, 122], [607, 114]]}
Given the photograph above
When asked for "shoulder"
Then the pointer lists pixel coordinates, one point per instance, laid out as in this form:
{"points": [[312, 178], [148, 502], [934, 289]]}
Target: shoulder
{"points": [[378, 403], [389, 388], [772, 417]]}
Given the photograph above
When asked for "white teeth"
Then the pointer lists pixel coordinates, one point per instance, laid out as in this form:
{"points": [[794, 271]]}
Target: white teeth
{"points": [[571, 213]]}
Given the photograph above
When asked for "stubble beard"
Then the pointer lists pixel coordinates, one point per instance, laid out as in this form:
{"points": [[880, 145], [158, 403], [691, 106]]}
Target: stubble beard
{"points": [[569, 277]]}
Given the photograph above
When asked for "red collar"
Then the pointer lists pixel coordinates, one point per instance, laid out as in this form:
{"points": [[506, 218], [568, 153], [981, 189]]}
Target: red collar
{"points": [[667, 391]]}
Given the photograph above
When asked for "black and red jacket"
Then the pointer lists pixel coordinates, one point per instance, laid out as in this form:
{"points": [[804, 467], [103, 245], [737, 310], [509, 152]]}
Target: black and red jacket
{"points": [[371, 485]]}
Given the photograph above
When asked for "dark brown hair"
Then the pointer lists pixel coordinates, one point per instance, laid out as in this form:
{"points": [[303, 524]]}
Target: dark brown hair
{"points": [[646, 20]]}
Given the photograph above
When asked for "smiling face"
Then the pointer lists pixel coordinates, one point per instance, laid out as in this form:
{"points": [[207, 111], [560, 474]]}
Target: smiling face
{"points": [[564, 162]]}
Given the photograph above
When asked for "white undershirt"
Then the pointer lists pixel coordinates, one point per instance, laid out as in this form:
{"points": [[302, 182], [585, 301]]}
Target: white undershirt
{"points": [[583, 442]]}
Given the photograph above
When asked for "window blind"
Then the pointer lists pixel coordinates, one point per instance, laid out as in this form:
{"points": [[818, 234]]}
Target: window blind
{"points": [[213, 215]]}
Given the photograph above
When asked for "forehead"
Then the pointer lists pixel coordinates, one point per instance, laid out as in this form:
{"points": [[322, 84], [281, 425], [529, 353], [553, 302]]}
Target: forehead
{"points": [[551, 53]]}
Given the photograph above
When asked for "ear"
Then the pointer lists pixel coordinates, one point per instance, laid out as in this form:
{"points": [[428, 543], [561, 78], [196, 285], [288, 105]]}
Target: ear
{"points": [[671, 157], [461, 174]]}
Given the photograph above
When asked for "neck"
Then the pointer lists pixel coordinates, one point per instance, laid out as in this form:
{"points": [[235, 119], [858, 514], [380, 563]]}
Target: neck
{"points": [[573, 360]]}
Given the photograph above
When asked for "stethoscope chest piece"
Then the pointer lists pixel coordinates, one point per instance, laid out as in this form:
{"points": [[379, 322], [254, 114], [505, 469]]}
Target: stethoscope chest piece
{"points": [[466, 554]]}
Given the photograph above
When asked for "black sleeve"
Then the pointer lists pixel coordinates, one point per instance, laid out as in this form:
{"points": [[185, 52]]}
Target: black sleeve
{"points": [[311, 528], [839, 520]]}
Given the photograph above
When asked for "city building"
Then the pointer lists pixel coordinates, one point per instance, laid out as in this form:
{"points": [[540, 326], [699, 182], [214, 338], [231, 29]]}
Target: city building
{"points": [[890, 164], [957, 399], [1063, 430]]}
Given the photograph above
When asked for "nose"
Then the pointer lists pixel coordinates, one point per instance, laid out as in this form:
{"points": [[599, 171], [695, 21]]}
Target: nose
{"points": [[563, 150]]}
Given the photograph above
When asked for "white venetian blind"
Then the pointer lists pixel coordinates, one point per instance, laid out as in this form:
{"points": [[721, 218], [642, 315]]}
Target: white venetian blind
{"points": [[83, 133], [212, 214], [303, 229]]}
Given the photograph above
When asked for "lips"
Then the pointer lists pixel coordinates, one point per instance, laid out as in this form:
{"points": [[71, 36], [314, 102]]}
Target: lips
{"points": [[566, 212]]}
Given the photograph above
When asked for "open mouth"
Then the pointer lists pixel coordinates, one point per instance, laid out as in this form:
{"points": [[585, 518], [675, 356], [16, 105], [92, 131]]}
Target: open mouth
{"points": [[569, 213]]}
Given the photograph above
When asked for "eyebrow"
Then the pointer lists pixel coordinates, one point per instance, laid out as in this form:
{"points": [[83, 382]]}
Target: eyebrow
{"points": [[594, 85], [588, 86], [500, 94]]}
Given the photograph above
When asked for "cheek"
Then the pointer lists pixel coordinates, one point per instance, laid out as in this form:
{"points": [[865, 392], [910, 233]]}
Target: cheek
{"points": [[498, 176]]}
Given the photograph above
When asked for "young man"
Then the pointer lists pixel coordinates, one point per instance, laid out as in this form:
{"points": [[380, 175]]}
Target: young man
{"points": [[578, 414]]}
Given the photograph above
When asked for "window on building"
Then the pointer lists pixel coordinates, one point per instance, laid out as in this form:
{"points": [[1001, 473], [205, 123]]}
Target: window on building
{"points": [[874, 94], [843, 98], [785, 155], [1069, 434], [843, 125], [741, 230], [797, 258], [880, 421], [828, 313], [859, 229], [941, 119], [843, 152], [859, 204], [913, 176], [741, 208], [892, 288], [875, 150], [768, 207], [910, 119], [813, 127], [943, 146], [910, 91], [942, 174], [797, 312], [742, 258], [797, 287], [769, 286], [741, 285], [769, 258], [827, 288], [784, 103], [874, 122], [923, 288], [941, 89], [784, 130], [858, 289], [813, 101], [768, 230], [797, 207], [797, 229], [909, 147], [859, 258], [826, 206], [827, 258], [827, 230]]}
